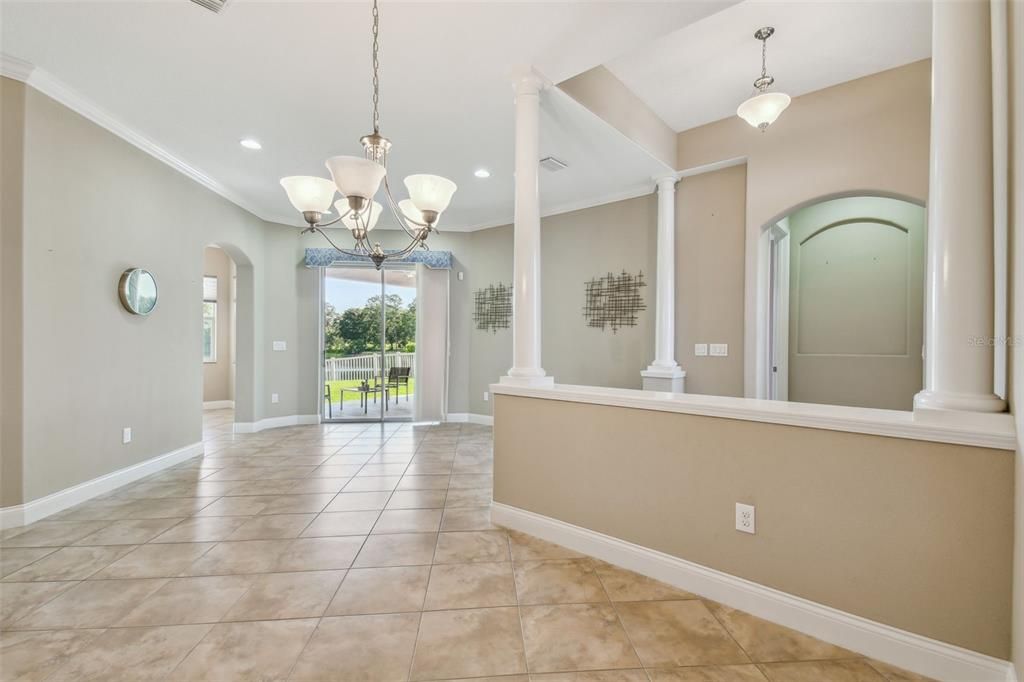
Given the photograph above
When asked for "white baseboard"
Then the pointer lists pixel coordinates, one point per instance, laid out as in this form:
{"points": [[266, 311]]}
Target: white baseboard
{"points": [[276, 422], [885, 643], [471, 418], [218, 404], [24, 514]]}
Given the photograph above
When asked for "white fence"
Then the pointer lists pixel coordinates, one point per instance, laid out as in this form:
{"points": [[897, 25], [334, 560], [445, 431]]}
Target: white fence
{"points": [[365, 366]]}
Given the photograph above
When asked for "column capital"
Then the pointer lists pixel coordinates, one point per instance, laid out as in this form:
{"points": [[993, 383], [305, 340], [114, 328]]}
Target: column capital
{"points": [[527, 81], [666, 182]]}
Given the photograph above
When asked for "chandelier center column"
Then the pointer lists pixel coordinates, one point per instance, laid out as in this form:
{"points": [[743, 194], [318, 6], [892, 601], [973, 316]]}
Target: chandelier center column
{"points": [[959, 289], [526, 369], [664, 374]]}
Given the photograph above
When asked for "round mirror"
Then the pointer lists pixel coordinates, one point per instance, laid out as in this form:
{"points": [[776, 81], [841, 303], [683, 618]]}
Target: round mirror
{"points": [[137, 290]]}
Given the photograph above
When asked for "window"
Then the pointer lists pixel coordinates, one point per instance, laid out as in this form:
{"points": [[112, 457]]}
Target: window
{"points": [[209, 319]]}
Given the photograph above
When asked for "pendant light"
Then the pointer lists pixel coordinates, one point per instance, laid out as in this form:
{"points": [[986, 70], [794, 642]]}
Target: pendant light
{"points": [[762, 109]]}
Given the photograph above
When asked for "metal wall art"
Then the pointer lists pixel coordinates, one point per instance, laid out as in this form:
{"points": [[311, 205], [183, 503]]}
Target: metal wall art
{"points": [[493, 307], [614, 300]]}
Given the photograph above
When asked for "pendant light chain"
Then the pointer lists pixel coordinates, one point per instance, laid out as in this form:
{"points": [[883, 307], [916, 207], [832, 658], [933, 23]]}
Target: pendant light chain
{"points": [[376, 68], [764, 55]]}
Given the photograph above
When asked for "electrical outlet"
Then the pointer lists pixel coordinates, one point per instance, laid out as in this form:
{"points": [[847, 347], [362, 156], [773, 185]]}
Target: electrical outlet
{"points": [[280, 345], [126, 435], [487, 396], [745, 518], [461, 275], [700, 349], [720, 350], [275, 398]]}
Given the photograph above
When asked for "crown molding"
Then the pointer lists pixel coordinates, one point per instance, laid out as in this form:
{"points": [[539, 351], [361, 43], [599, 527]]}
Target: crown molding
{"points": [[17, 69], [57, 90]]}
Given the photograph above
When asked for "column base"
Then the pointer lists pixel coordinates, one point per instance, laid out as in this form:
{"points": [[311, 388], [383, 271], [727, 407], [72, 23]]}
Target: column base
{"points": [[665, 379], [528, 381], [960, 402]]}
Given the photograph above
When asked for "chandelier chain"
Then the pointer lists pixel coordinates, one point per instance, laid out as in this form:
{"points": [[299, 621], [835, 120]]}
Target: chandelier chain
{"points": [[376, 68]]}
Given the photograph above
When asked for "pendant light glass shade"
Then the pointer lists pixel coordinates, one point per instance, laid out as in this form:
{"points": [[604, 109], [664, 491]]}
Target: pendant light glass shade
{"points": [[410, 211], [308, 193], [356, 176], [761, 110], [430, 192], [349, 220]]}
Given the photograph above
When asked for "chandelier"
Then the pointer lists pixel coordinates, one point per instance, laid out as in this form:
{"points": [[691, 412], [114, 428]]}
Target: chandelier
{"points": [[358, 179], [762, 109]]}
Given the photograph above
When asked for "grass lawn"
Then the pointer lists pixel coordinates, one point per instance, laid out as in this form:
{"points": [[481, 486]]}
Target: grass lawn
{"points": [[336, 387]]}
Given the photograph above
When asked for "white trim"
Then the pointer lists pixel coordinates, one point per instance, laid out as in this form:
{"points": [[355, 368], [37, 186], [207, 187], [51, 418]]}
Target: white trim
{"points": [[470, 418], [961, 428], [883, 642], [711, 167], [276, 422], [218, 404], [18, 69], [24, 514], [52, 87]]}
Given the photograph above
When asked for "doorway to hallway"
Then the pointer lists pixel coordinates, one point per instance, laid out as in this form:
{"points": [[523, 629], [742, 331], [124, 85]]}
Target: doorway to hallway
{"points": [[369, 343]]}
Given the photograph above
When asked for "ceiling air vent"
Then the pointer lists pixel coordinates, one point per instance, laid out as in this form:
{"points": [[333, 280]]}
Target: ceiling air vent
{"points": [[550, 163], [214, 6]]}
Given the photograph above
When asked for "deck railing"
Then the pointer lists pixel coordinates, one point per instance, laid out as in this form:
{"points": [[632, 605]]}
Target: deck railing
{"points": [[366, 366]]}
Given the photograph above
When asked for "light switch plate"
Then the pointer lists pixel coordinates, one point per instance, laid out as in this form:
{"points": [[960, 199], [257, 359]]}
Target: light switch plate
{"points": [[280, 345], [700, 349], [275, 398], [126, 435], [720, 350], [487, 396]]}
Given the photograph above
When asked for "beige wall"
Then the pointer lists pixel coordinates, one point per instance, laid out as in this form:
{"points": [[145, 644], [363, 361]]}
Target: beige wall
{"points": [[12, 128], [101, 367], [710, 226], [856, 311], [605, 95], [575, 247], [218, 382], [866, 136], [913, 534], [1016, 358]]}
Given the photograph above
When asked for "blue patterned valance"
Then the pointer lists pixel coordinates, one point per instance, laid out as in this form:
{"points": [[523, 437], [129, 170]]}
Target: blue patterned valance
{"points": [[321, 258]]}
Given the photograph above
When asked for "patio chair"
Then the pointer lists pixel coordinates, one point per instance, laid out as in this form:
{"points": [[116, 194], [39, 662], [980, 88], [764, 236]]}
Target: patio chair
{"points": [[330, 402], [397, 377]]}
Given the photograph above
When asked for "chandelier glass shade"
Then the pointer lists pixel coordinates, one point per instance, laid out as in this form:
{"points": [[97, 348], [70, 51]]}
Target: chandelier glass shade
{"points": [[762, 109], [359, 180]]}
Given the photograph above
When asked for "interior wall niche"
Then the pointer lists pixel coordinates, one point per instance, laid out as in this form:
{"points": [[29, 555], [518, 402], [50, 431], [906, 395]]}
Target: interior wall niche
{"points": [[614, 301], [492, 307]]}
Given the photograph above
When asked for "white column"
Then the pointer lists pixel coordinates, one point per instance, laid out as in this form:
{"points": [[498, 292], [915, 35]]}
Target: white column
{"points": [[664, 374], [526, 301], [959, 297]]}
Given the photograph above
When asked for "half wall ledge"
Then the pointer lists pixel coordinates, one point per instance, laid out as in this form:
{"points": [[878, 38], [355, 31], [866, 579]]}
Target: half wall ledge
{"points": [[981, 430]]}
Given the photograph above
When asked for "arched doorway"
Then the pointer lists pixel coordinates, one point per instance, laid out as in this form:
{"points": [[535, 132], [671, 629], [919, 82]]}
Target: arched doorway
{"points": [[841, 302], [228, 341]]}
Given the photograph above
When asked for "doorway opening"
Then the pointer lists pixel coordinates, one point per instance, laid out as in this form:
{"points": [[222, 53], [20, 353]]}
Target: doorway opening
{"points": [[369, 343], [218, 306], [841, 308]]}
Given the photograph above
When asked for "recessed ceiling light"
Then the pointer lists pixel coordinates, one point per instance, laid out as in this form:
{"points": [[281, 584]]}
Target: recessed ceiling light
{"points": [[482, 173], [250, 143]]}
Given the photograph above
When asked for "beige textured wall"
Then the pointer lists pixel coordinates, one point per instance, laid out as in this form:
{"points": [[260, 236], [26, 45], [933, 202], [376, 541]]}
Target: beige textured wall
{"points": [[912, 534], [602, 93], [710, 229], [575, 247], [856, 312], [867, 135], [217, 379], [12, 138]]}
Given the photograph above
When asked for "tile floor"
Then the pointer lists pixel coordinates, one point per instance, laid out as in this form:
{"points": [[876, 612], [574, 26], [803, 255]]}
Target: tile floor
{"points": [[355, 552]]}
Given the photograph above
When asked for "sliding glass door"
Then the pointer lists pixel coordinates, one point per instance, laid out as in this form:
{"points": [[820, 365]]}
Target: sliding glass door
{"points": [[369, 344]]}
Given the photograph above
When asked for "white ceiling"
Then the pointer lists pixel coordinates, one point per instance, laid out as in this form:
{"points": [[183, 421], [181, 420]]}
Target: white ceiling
{"points": [[295, 76], [700, 73]]}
